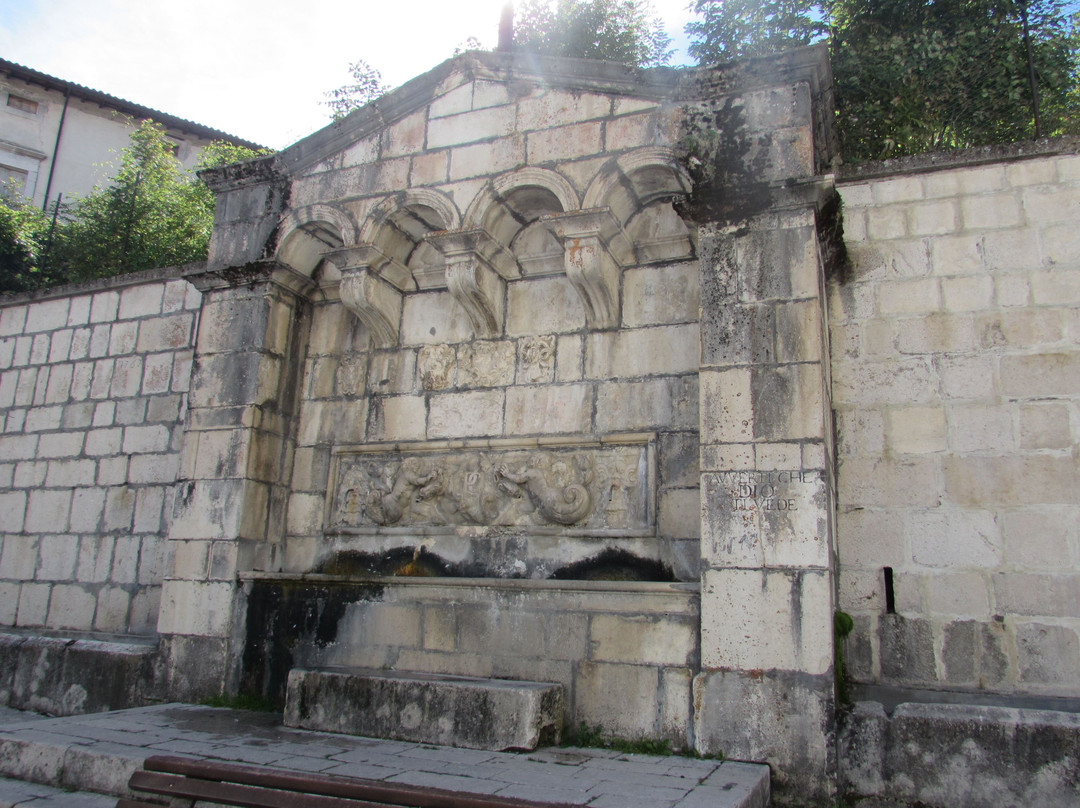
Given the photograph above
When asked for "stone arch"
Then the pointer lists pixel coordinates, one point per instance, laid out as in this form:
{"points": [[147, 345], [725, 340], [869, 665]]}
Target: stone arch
{"points": [[636, 179], [509, 209], [638, 188], [397, 227], [308, 232]]}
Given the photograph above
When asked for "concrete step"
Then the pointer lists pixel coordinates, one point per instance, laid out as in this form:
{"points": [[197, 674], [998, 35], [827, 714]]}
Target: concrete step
{"points": [[474, 713]]}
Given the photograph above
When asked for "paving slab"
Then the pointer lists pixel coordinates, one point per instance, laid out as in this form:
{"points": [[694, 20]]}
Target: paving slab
{"points": [[20, 794], [97, 753]]}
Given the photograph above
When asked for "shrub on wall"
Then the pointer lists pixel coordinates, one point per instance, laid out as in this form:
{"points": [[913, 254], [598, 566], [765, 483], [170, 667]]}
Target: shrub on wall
{"points": [[152, 213]]}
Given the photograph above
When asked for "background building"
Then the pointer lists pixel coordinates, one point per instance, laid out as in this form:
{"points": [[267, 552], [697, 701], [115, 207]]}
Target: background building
{"points": [[58, 137]]}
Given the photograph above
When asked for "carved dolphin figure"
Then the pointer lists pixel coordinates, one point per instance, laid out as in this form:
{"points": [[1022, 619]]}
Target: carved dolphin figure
{"points": [[563, 505]]}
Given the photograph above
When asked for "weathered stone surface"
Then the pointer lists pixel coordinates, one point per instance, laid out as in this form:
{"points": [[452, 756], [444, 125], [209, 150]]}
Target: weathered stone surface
{"points": [[493, 714], [982, 756], [785, 719], [69, 677], [586, 488]]}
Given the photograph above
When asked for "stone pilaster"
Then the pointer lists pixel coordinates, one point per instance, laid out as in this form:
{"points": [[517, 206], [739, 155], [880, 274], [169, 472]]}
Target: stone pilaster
{"points": [[766, 690], [232, 492]]}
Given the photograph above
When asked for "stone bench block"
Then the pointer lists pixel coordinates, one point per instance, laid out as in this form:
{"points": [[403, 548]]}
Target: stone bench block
{"points": [[492, 714]]}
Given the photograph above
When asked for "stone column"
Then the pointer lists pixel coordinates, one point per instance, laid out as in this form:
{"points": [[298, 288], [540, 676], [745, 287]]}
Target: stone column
{"points": [[766, 690], [231, 497]]}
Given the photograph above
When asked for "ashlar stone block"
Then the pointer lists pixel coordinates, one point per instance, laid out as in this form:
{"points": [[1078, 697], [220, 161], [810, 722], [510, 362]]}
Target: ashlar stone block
{"points": [[642, 352], [765, 519], [754, 619], [475, 414], [548, 410], [639, 640], [543, 306], [196, 608], [475, 713]]}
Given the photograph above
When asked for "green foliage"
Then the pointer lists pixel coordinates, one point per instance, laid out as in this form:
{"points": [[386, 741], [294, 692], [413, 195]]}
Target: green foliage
{"points": [[733, 29], [918, 75], [622, 31], [923, 76], [222, 153], [843, 625], [150, 214], [593, 737], [24, 235], [366, 86]]}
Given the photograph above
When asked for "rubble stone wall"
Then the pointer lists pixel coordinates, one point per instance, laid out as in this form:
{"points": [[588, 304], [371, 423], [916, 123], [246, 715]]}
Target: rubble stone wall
{"points": [[93, 386], [956, 384]]}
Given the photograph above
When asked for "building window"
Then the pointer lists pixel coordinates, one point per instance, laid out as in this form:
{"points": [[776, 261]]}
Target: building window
{"points": [[20, 103], [12, 182]]}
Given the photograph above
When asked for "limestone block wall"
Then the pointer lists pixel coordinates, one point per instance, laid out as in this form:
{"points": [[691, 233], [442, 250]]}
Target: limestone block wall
{"points": [[544, 379], [93, 384], [507, 342], [624, 652], [956, 380]]}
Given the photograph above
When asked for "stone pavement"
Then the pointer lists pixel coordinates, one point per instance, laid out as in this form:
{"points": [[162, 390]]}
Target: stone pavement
{"points": [[97, 753]]}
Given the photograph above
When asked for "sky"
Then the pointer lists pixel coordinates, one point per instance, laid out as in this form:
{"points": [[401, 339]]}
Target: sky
{"points": [[256, 69]]}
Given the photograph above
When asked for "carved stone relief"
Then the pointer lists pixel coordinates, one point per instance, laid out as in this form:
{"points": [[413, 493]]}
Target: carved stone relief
{"points": [[437, 366], [486, 364], [537, 361], [579, 488]]}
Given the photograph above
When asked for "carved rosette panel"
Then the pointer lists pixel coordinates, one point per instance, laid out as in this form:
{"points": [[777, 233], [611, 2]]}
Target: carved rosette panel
{"points": [[580, 489], [537, 362]]}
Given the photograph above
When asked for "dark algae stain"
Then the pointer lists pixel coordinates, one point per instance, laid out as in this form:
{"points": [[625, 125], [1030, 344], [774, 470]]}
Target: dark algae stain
{"points": [[286, 616]]}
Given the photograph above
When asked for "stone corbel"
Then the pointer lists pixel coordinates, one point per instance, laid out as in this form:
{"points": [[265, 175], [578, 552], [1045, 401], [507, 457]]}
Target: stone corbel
{"points": [[594, 248], [374, 300], [476, 268], [371, 257]]}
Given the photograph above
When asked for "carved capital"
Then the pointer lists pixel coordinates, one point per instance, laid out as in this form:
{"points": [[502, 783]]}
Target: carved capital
{"points": [[375, 302], [371, 257], [594, 222], [476, 241]]}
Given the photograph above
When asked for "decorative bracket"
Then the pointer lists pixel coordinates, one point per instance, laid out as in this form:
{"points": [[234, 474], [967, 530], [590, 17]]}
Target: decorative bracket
{"points": [[594, 248], [476, 266], [374, 300]]}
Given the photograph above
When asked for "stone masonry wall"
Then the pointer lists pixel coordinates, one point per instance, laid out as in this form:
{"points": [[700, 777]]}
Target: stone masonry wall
{"points": [[956, 380], [93, 384]]}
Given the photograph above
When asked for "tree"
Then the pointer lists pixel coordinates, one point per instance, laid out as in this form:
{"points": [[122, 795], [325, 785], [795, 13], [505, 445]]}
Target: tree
{"points": [[919, 75], [25, 233], [613, 30], [365, 87], [734, 29], [150, 214]]}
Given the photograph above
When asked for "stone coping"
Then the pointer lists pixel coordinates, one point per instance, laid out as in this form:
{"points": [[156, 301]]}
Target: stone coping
{"points": [[540, 441], [957, 158], [892, 697], [547, 584], [102, 284], [70, 636]]}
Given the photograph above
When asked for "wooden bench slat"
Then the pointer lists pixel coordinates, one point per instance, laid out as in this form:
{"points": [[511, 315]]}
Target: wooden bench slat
{"points": [[125, 802], [376, 791], [242, 796]]}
